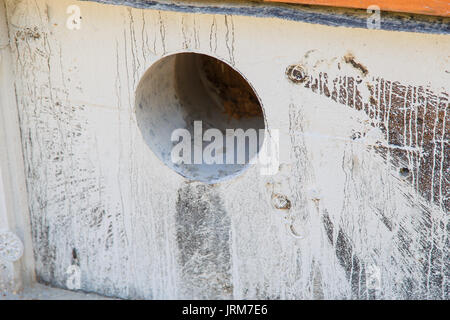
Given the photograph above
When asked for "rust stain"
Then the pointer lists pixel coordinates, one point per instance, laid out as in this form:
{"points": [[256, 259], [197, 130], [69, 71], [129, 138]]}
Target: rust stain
{"points": [[350, 59], [238, 98], [28, 33], [296, 73]]}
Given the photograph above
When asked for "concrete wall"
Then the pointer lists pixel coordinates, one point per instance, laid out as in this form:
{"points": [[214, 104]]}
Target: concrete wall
{"points": [[15, 228], [364, 159]]}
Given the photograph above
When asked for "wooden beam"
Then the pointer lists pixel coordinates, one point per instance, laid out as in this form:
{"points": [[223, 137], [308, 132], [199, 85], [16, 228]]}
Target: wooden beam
{"points": [[428, 7]]}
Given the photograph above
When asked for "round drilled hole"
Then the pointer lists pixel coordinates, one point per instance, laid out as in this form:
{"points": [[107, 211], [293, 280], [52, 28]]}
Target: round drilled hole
{"points": [[195, 92], [404, 172]]}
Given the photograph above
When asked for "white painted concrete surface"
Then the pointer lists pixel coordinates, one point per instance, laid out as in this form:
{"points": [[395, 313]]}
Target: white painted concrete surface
{"points": [[14, 215], [101, 200]]}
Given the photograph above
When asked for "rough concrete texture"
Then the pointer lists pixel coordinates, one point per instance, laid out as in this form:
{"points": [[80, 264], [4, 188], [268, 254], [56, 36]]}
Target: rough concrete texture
{"points": [[41, 292], [365, 161]]}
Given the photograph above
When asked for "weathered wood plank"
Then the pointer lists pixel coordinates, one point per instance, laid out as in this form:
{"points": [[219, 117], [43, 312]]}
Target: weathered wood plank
{"points": [[429, 7]]}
